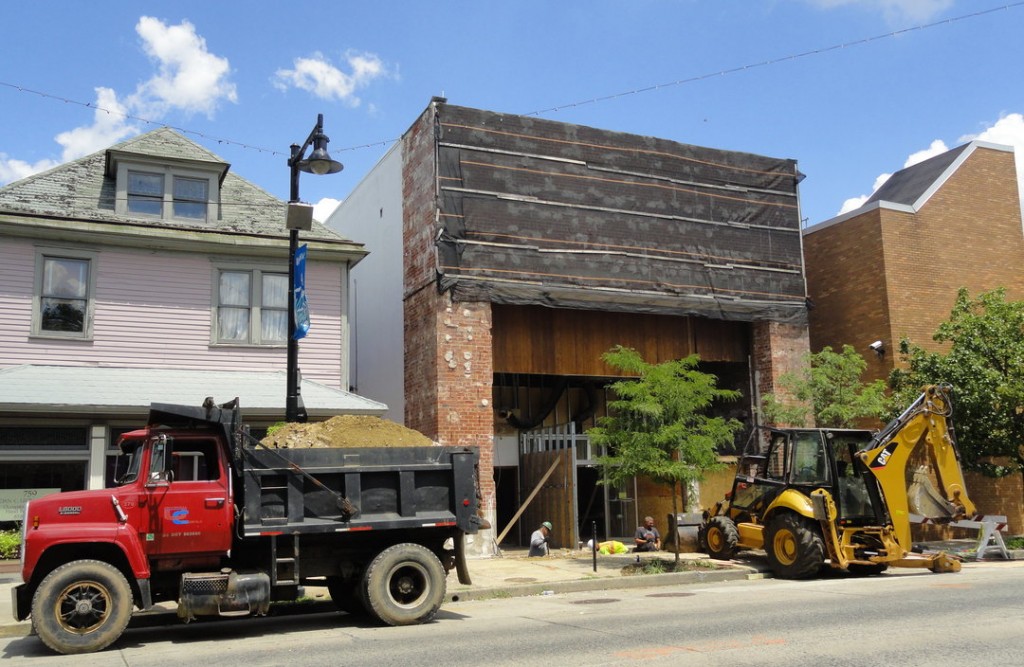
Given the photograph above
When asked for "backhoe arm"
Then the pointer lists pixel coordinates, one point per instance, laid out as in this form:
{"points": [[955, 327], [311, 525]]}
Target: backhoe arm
{"points": [[927, 421]]}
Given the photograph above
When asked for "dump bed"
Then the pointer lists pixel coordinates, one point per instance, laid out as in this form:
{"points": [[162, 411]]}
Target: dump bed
{"points": [[304, 490]]}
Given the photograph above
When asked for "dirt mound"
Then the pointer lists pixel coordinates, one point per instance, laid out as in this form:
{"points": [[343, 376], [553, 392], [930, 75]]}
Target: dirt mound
{"points": [[346, 431]]}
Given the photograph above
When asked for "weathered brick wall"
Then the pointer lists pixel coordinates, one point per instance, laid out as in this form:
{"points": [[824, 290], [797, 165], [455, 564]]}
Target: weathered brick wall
{"points": [[448, 353], [777, 349]]}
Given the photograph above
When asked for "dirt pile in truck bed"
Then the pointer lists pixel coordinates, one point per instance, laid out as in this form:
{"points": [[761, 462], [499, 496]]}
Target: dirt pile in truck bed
{"points": [[346, 431]]}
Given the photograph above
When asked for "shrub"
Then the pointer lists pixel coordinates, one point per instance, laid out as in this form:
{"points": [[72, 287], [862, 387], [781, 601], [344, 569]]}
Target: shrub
{"points": [[10, 543]]}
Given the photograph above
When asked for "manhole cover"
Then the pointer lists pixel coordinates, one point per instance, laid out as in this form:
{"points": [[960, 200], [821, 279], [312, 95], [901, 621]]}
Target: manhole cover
{"points": [[595, 601], [670, 595], [520, 580]]}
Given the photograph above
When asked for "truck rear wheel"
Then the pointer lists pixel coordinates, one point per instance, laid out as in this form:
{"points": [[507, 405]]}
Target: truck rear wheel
{"points": [[81, 607], [404, 585], [794, 547], [720, 537]]}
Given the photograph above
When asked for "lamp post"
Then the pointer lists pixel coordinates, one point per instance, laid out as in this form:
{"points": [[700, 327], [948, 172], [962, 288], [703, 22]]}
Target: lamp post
{"points": [[300, 216]]}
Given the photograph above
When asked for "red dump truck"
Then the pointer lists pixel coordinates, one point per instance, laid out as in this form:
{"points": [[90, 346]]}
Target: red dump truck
{"points": [[205, 516]]}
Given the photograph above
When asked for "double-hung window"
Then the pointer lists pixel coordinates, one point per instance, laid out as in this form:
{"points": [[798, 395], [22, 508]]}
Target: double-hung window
{"points": [[64, 294], [252, 307]]}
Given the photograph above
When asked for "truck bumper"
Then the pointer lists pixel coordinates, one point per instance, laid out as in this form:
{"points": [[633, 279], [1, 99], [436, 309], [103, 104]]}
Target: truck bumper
{"points": [[21, 602]]}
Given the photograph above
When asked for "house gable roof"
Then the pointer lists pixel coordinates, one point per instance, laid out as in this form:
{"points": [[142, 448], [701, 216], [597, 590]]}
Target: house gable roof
{"points": [[85, 189]]}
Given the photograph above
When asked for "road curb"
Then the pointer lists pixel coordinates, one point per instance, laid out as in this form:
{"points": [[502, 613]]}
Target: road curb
{"points": [[605, 583]]}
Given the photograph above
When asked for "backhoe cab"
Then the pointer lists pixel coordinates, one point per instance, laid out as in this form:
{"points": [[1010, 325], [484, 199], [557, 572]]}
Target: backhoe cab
{"points": [[812, 498]]}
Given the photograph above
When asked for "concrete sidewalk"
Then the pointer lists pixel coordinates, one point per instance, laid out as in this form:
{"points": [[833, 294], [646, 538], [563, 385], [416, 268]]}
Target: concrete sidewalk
{"points": [[511, 574]]}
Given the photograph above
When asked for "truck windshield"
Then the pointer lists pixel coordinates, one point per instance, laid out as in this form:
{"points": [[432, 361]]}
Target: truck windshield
{"points": [[130, 460]]}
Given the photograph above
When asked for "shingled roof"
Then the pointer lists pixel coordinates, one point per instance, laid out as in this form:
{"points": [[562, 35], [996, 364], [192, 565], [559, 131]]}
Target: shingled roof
{"points": [[84, 189], [907, 186]]}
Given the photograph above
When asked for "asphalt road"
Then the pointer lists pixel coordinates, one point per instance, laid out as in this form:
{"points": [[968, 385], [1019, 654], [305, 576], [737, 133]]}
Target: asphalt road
{"points": [[975, 617]]}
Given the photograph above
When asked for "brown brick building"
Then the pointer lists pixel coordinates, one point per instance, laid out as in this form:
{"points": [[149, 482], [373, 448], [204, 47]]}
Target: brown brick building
{"points": [[507, 253], [891, 269]]}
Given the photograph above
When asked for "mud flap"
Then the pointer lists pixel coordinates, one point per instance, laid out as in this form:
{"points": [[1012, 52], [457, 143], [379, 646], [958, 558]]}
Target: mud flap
{"points": [[459, 542]]}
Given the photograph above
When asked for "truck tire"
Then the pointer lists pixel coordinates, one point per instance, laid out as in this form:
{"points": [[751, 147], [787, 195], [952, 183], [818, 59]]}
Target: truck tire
{"points": [[404, 585], [720, 537], [346, 596], [81, 607], [794, 547]]}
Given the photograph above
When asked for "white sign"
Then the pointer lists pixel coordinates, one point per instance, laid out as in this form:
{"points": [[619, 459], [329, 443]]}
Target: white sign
{"points": [[12, 501]]}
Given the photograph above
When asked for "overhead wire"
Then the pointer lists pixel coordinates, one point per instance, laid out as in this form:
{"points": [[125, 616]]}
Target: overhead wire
{"points": [[548, 110]]}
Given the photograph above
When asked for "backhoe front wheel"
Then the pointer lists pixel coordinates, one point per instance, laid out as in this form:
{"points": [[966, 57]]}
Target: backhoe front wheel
{"points": [[81, 607], [720, 537], [794, 547], [404, 585]]}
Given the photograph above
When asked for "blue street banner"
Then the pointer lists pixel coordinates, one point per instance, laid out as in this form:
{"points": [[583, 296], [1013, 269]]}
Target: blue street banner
{"points": [[299, 298]]}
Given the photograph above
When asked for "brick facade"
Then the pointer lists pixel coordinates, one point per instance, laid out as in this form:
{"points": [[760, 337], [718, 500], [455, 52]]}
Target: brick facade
{"points": [[448, 359], [777, 349], [890, 273]]}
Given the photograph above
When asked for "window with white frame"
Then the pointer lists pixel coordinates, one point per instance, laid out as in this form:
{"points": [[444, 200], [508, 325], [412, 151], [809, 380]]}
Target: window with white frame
{"points": [[252, 307], [64, 289]]}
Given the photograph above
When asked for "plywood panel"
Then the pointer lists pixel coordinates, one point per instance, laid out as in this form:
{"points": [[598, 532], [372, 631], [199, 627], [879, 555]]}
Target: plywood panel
{"points": [[554, 501], [548, 341]]}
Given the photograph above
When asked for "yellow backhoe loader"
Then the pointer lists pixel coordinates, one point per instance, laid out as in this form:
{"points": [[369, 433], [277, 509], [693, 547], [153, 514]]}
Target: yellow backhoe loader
{"points": [[840, 498]]}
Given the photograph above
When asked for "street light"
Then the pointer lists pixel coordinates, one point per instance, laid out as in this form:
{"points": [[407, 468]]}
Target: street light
{"points": [[300, 216]]}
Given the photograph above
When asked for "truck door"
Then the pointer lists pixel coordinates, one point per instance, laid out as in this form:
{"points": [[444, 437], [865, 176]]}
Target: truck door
{"points": [[189, 498]]}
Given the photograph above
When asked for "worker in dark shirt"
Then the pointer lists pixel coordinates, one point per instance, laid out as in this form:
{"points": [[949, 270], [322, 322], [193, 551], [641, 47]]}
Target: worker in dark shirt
{"points": [[539, 540], [647, 536]]}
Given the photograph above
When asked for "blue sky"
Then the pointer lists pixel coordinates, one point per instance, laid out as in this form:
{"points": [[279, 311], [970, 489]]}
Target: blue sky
{"points": [[247, 79]]}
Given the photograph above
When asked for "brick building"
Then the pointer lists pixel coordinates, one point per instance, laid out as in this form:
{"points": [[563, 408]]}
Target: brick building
{"points": [[508, 253], [891, 269]]}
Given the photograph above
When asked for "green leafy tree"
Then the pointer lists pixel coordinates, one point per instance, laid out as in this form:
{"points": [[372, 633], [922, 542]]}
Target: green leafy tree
{"points": [[659, 424], [984, 362], [828, 392]]}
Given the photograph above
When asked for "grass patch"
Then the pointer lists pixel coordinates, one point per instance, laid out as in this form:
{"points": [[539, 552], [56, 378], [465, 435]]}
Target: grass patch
{"points": [[661, 566], [1015, 542]]}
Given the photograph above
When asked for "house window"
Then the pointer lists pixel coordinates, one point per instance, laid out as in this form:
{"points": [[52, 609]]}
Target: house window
{"points": [[252, 307], [64, 289], [190, 197], [145, 193], [165, 192]]}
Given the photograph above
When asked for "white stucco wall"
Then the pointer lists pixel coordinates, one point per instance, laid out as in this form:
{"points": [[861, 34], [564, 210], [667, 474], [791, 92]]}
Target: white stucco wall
{"points": [[372, 215]]}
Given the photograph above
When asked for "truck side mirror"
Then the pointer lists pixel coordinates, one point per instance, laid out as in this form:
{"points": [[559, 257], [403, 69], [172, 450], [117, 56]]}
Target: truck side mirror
{"points": [[159, 460]]}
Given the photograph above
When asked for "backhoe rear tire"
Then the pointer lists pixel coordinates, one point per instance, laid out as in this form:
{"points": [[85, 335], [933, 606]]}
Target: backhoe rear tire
{"points": [[404, 585], [794, 547], [720, 537], [81, 607]]}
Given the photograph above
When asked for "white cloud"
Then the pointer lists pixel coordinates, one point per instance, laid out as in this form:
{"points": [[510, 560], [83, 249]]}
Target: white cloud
{"points": [[190, 78], [323, 209], [12, 169], [317, 75], [110, 125], [894, 10]]}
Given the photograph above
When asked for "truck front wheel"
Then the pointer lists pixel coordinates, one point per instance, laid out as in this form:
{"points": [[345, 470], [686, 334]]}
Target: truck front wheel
{"points": [[81, 607], [404, 585]]}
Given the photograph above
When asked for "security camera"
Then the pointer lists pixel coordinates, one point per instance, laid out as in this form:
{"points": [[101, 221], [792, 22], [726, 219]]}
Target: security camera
{"points": [[877, 346]]}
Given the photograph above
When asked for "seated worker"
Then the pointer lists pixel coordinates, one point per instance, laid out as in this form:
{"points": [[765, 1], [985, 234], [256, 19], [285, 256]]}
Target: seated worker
{"points": [[539, 540], [647, 536]]}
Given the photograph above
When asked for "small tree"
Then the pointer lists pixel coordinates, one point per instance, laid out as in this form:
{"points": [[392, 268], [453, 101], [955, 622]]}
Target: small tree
{"points": [[985, 365], [828, 392], [658, 425]]}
